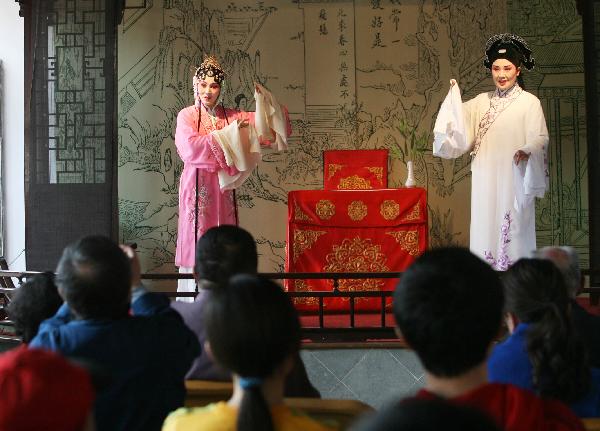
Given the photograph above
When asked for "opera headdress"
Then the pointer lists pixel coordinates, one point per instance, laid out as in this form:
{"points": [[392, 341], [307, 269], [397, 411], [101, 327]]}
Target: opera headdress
{"points": [[510, 47], [210, 67]]}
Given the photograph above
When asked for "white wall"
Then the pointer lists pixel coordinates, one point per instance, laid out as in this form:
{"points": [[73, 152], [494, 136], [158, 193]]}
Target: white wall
{"points": [[12, 107]]}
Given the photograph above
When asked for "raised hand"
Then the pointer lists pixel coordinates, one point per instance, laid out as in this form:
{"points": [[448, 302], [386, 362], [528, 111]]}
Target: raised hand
{"points": [[242, 124], [136, 277]]}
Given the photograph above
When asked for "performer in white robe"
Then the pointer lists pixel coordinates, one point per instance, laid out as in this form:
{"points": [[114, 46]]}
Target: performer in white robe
{"points": [[506, 134]]}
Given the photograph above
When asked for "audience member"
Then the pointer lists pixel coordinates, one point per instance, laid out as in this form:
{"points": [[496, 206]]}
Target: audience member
{"points": [[253, 330], [221, 252], [448, 306], [427, 415], [146, 354], [43, 391], [33, 302], [543, 352], [587, 325]]}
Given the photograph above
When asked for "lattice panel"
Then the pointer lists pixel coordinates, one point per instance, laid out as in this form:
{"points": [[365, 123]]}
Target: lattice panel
{"points": [[72, 148]]}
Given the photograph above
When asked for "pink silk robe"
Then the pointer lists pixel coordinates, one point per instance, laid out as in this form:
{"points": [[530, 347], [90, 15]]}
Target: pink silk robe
{"points": [[200, 151]]}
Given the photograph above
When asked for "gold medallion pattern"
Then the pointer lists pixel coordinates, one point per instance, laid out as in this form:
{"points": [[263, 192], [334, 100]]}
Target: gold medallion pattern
{"points": [[354, 182], [299, 215], [304, 239], [303, 286], [389, 209], [357, 210], [333, 168], [377, 171], [408, 240], [357, 255], [325, 209], [414, 214]]}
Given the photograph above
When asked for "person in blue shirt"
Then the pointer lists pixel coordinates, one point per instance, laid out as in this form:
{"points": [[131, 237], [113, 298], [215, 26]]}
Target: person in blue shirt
{"points": [[129, 336], [543, 352]]}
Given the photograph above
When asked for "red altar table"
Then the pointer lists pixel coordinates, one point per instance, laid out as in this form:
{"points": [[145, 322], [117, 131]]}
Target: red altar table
{"points": [[381, 230]]}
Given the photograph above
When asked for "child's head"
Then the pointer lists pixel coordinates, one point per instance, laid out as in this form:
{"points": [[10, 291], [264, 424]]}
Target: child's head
{"points": [[252, 326], [34, 301], [224, 251], [254, 331], [448, 306], [94, 278]]}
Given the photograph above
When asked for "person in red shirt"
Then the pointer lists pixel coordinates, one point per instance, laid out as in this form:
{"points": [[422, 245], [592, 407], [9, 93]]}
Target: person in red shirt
{"points": [[42, 390], [448, 307], [415, 414]]}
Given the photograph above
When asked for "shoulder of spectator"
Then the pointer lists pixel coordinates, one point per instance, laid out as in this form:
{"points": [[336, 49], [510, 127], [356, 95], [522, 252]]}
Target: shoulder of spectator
{"points": [[145, 302], [137, 291], [63, 316]]}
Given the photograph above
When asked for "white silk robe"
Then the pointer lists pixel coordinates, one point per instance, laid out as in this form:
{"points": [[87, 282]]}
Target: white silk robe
{"points": [[502, 193]]}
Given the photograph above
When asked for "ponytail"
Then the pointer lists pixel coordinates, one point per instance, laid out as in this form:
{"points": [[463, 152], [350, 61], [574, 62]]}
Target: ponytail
{"points": [[254, 413], [536, 293], [558, 357], [253, 328]]}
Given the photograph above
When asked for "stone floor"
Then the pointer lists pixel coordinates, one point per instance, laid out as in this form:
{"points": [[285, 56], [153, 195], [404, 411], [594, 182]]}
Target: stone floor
{"points": [[373, 376]]}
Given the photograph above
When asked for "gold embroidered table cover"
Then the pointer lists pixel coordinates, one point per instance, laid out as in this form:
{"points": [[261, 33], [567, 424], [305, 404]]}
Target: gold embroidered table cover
{"points": [[353, 231]]}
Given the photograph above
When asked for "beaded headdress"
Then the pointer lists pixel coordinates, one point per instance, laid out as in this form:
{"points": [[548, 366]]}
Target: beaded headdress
{"points": [[210, 67], [508, 46]]}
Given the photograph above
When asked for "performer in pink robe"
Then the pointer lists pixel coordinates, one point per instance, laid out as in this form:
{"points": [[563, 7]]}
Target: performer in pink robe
{"points": [[219, 148]]}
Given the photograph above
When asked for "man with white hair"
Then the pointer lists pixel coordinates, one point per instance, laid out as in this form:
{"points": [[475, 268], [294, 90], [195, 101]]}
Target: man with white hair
{"points": [[586, 324]]}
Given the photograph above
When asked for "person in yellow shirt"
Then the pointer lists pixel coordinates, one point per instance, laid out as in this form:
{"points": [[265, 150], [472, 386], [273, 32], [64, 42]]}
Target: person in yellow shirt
{"points": [[253, 330]]}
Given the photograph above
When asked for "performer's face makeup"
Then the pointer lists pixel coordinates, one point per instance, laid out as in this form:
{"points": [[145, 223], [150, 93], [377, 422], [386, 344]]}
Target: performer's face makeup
{"points": [[209, 91], [504, 74]]}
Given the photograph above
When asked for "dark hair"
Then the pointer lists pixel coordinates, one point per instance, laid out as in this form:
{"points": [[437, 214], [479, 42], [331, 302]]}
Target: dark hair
{"points": [[94, 277], [536, 294], [224, 251], [511, 47], [252, 327], [448, 306], [34, 301], [416, 414]]}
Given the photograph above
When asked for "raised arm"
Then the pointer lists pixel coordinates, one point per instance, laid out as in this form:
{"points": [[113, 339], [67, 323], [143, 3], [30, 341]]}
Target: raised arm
{"points": [[452, 137], [194, 147], [271, 119]]}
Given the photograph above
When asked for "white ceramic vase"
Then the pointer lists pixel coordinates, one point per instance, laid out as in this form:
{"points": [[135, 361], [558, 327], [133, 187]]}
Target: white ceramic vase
{"points": [[410, 179]]}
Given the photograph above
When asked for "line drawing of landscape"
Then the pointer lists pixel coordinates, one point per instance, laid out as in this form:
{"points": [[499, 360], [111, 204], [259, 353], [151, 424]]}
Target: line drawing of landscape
{"points": [[392, 103]]}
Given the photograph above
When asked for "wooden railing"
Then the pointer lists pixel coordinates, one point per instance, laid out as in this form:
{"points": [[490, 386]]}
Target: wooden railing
{"points": [[320, 332]]}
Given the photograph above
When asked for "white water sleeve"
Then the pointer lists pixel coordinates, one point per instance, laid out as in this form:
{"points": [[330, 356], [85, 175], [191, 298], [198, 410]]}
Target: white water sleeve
{"points": [[241, 149], [269, 118], [450, 136]]}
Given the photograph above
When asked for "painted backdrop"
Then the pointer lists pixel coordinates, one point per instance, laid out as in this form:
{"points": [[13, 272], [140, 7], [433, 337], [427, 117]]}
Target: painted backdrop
{"points": [[354, 75]]}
